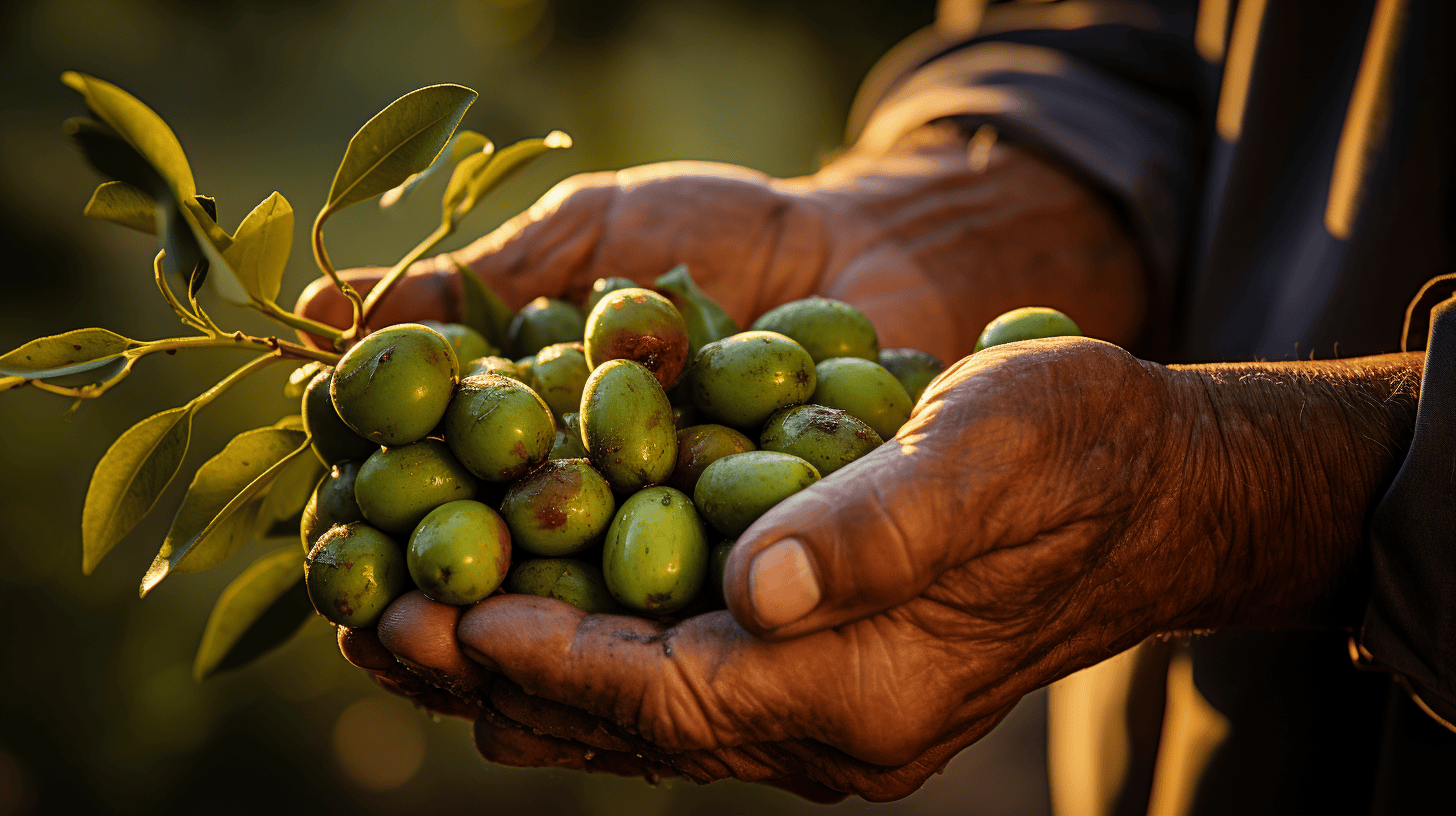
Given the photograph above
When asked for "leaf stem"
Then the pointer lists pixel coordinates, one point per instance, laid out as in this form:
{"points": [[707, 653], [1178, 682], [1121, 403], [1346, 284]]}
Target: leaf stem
{"points": [[255, 365], [321, 257], [393, 276], [299, 322], [187, 317]]}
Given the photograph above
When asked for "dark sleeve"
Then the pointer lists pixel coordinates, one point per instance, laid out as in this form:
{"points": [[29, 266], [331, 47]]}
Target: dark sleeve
{"points": [[1410, 621], [1115, 91]]}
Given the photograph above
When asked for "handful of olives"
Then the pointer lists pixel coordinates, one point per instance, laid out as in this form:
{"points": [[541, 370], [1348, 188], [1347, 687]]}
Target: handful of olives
{"points": [[606, 468]]}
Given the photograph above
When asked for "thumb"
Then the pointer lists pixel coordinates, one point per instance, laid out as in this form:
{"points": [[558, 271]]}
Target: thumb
{"points": [[868, 537]]}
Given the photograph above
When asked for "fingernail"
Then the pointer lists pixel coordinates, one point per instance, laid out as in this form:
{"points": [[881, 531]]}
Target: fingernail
{"points": [[782, 584]]}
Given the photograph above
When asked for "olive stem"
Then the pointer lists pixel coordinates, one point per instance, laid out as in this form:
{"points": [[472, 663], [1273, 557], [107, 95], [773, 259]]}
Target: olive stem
{"points": [[321, 257], [393, 276], [298, 322], [187, 317]]}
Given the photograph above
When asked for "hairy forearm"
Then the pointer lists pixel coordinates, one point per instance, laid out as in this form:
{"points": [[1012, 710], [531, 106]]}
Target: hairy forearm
{"points": [[1300, 454]]}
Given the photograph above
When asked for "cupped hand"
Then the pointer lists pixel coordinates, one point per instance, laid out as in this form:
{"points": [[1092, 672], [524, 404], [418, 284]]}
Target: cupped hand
{"points": [[1031, 519], [929, 243]]}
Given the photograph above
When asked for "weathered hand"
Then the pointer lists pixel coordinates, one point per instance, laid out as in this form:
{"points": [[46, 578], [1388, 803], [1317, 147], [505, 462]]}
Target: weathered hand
{"points": [[930, 245], [1048, 505]]}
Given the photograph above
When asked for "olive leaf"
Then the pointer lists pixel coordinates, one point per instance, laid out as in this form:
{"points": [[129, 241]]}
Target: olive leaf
{"points": [[464, 143], [140, 127], [259, 250], [114, 158], [502, 165], [481, 310], [460, 180], [124, 204], [129, 479], [263, 607], [224, 502], [399, 141], [290, 492], [73, 352]]}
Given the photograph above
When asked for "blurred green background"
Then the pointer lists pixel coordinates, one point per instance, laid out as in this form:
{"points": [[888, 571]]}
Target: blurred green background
{"points": [[98, 711]]}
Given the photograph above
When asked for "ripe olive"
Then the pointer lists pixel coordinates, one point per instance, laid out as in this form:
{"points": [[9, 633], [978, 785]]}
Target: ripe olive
{"points": [[565, 579], [639, 325], [735, 490], [459, 553], [353, 572], [332, 503], [330, 438], [864, 389], [656, 553], [498, 427], [1027, 323], [825, 328], [826, 438], [397, 486], [559, 508], [738, 381]]}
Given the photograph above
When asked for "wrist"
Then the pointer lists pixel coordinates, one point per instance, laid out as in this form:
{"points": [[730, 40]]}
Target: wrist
{"points": [[1298, 456]]}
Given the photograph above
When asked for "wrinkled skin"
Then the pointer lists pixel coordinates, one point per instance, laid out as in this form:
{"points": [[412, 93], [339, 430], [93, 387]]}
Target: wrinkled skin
{"points": [[1048, 504]]}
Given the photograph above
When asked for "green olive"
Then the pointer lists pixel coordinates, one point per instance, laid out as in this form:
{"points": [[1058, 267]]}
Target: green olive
{"points": [[459, 553], [397, 486], [626, 423], [559, 508], [332, 503], [561, 373], [330, 438], [601, 287], [734, 491], [468, 343], [544, 321], [702, 445], [864, 389], [825, 328], [914, 369], [740, 380], [498, 427], [826, 438], [492, 365], [655, 557], [565, 579], [392, 387], [353, 573], [1027, 323]]}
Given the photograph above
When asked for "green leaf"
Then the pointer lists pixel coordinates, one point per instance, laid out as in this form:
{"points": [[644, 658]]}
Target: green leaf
{"points": [[259, 250], [140, 127], [706, 321], [74, 352], [222, 506], [212, 241], [259, 610], [121, 203], [464, 143], [504, 164], [129, 479], [465, 171], [481, 310], [399, 141], [290, 491]]}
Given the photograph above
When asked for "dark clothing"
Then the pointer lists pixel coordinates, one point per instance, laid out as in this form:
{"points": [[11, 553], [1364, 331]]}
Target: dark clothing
{"points": [[1288, 168]]}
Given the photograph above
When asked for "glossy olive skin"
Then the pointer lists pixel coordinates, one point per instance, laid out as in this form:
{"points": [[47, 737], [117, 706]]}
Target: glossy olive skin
{"points": [[864, 389], [601, 287], [639, 325], [565, 579], [825, 328], [332, 503], [914, 369], [492, 365], [626, 424], [1027, 323], [740, 380], [701, 445], [353, 573], [561, 373], [332, 441], [459, 553], [655, 557], [826, 438], [498, 428], [559, 508], [735, 490], [392, 387], [567, 445], [544, 321], [397, 486], [468, 343]]}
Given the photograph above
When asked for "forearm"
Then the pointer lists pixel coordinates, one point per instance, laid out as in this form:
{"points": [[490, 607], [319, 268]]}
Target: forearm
{"points": [[1296, 457]]}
